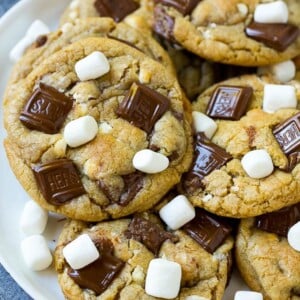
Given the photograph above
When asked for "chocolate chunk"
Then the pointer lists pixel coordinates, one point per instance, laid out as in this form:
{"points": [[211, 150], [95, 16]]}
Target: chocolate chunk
{"points": [[148, 233], [184, 6], [163, 24], [281, 221], [143, 106], [58, 181], [276, 36], [41, 41], [229, 102], [208, 230], [98, 275], [287, 134], [116, 9], [46, 109], [294, 160], [207, 158]]}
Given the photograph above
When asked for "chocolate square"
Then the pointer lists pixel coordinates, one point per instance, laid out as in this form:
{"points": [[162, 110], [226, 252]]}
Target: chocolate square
{"points": [[46, 109], [58, 181], [143, 106], [276, 36], [184, 6], [116, 9], [208, 230], [229, 102], [287, 134]]}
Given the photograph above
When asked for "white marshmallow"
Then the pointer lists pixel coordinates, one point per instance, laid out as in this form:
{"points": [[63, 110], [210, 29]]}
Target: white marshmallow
{"points": [[203, 123], [247, 295], [284, 71], [293, 236], [36, 29], [92, 66], [36, 253], [150, 162], [163, 278], [80, 131], [274, 12], [278, 96], [257, 164], [177, 212], [81, 252], [33, 219]]}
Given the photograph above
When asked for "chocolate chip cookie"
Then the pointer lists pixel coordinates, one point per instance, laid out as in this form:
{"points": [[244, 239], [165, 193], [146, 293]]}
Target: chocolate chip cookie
{"points": [[127, 247], [75, 144], [265, 259], [227, 32], [219, 179]]}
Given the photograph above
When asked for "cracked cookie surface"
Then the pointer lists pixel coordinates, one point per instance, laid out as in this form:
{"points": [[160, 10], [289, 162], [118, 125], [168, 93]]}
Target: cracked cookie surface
{"points": [[203, 274], [105, 164], [229, 191]]}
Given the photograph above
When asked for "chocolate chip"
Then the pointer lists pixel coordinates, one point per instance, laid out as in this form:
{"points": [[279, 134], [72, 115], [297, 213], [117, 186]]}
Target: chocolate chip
{"points": [[58, 181], [41, 41], [148, 233], [229, 102], [279, 222], [208, 230], [287, 134], [163, 24], [98, 275], [184, 6], [116, 9], [46, 109], [207, 158], [276, 36], [143, 106]]}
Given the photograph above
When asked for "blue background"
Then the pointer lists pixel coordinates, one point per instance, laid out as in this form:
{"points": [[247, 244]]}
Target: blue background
{"points": [[9, 290]]}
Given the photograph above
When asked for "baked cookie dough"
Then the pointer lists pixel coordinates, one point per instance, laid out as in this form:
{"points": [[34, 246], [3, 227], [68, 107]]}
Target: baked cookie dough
{"points": [[135, 242], [267, 262], [137, 105], [217, 181], [216, 30]]}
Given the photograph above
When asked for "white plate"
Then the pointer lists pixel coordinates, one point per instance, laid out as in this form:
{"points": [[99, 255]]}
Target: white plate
{"points": [[39, 285]]}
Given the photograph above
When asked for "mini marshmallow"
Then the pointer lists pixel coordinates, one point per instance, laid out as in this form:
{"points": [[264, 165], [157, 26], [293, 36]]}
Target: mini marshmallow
{"points": [[92, 66], [274, 12], [177, 212], [284, 71], [163, 278], [247, 295], [257, 164], [293, 236], [203, 123], [36, 253], [80, 131], [150, 162], [33, 219], [36, 29], [278, 96], [81, 252]]}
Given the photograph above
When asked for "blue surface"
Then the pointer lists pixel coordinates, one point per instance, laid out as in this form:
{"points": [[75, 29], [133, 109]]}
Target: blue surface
{"points": [[9, 289]]}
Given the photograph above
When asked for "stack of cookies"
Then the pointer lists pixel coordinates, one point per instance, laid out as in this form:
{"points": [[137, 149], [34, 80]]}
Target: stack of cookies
{"points": [[154, 127]]}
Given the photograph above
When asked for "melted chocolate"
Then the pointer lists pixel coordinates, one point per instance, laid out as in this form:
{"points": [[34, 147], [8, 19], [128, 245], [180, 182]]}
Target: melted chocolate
{"points": [[184, 6], [276, 36], [279, 222], [116, 9], [143, 106], [46, 109], [98, 275], [229, 102], [58, 181], [148, 233], [209, 230]]}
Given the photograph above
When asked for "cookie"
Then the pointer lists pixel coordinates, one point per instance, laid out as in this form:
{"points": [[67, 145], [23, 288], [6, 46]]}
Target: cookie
{"points": [[266, 258], [134, 243], [225, 31], [219, 179], [82, 28], [93, 168]]}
